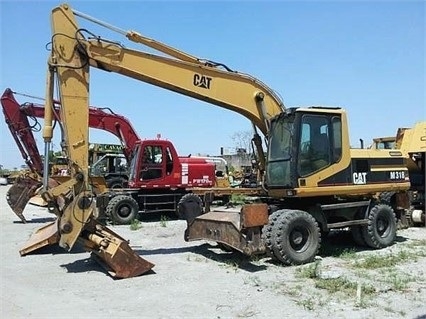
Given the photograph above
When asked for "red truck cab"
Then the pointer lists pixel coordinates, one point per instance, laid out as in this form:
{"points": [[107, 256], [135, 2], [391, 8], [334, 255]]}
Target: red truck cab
{"points": [[156, 164]]}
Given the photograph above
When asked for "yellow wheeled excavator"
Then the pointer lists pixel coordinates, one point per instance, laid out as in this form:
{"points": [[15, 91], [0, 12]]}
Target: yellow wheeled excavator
{"points": [[314, 181]]}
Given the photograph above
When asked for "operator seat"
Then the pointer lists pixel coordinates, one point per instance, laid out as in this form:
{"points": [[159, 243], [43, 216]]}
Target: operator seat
{"points": [[321, 151]]}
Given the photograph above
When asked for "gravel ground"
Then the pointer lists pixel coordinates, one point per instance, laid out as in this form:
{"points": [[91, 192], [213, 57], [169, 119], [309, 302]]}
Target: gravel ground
{"points": [[198, 280]]}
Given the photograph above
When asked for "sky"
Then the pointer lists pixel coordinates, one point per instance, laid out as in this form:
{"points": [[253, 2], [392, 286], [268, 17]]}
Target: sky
{"points": [[367, 57]]}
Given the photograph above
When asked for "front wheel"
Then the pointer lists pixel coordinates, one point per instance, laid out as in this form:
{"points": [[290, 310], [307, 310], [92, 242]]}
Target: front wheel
{"points": [[297, 237]]}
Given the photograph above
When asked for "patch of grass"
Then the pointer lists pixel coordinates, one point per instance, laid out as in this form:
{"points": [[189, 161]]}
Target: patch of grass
{"points": [[391, 310], [416, 243], [238, 199], [381, 261], [348, 254], [307, 304], [310, 271], [333, 285], [339, 252], [295, 291], [163, 221], [311, 302], [398, 281], [232, 265], [252, 280], [135, 224]]}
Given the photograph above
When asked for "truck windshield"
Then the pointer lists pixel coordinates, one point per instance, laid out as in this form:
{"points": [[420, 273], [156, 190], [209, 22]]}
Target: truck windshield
{"points": [[133, 164], [279, 152]]}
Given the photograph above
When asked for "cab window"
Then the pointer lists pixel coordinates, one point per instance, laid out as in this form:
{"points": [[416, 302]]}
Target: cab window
{"points": [[152, 160], [314, 147]]}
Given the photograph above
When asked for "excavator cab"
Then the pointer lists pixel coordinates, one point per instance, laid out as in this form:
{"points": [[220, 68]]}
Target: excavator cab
{"points": [[302, 142]]}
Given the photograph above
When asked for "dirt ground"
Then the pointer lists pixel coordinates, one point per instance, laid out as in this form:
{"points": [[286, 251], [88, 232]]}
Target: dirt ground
{"points": [[198, 280]]}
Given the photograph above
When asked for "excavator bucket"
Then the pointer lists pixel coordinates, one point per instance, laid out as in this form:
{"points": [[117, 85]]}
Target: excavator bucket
{"points": [[107, 248], [114, 254], [44, 236], [20, 193]]}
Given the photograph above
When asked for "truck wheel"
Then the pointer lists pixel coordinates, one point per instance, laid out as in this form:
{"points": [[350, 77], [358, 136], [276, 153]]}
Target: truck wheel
{"points": [[189, 207], [381, 229], [297, 237], [122, 209], [268, 234]]}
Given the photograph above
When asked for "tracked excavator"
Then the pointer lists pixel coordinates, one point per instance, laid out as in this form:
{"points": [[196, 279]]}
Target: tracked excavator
{"points": [[314, 181]]}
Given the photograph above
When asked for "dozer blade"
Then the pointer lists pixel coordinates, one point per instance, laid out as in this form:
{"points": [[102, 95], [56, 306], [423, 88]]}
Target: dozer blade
{"points": [[115, 255], [20, 193], [42, 237]]}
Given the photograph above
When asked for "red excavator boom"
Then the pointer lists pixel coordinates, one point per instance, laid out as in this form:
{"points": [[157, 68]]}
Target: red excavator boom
{"points": [[17, 118]]}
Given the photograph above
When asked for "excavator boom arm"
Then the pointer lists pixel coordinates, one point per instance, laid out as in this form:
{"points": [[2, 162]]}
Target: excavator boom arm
{"points": [[99, 118], [180, 72], [21, 131]]}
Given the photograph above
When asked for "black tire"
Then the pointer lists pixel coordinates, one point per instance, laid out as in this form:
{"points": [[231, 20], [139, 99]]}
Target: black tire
{"points": [[189, 207], [297, 237], [381, 229], [268, 234], [122, 209], [272, 209]]}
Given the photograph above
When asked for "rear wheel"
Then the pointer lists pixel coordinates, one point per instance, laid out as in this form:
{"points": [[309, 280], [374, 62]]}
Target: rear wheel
{"points": [[297, 237], [122, 209], [381, 229]]}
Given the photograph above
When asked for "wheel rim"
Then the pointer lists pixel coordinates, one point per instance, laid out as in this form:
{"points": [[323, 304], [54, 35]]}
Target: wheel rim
{"points": [[382, 227], [124, 211], [298, 238]]}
